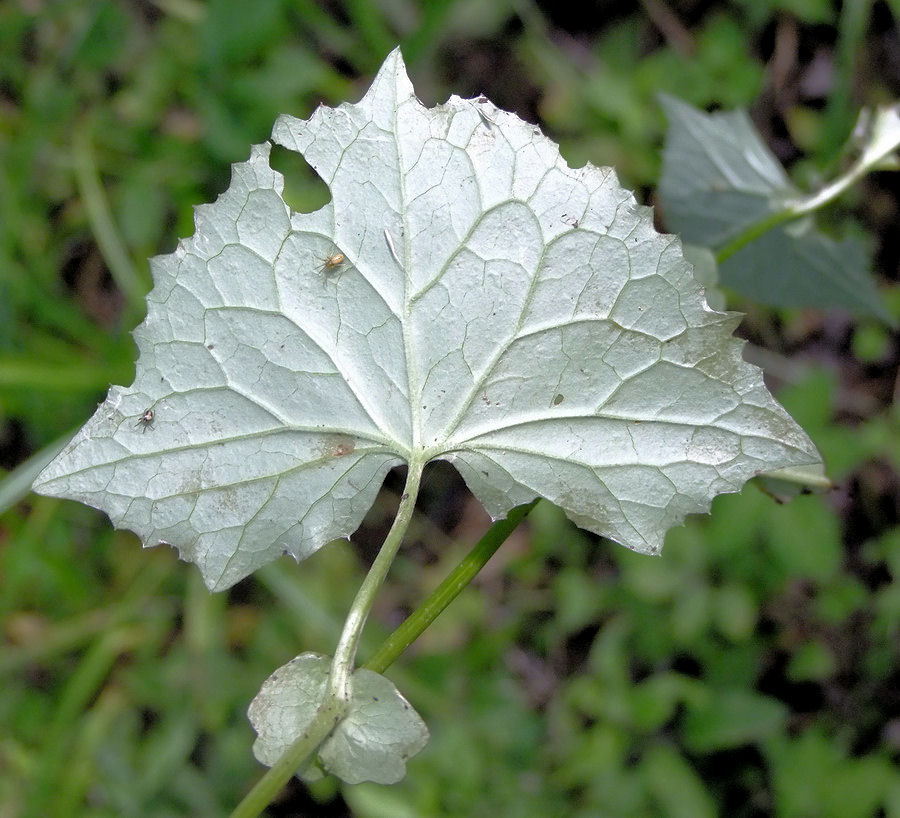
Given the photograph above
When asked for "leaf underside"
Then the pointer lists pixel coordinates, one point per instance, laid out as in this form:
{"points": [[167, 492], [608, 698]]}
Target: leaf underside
{"points": [[493, 307], [373, 742]]}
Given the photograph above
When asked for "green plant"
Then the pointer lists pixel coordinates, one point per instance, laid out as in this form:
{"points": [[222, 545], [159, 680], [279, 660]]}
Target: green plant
{"points": [[570, 669], [283, 337], [723, 189]]}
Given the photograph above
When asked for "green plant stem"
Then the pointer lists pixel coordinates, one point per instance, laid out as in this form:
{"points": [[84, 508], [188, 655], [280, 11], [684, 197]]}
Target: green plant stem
{"points": [[49, 771], [328, 716], [807, 204], [37, 375], [16, 484], [339, 684], [340, 689], [116, 256], [752, 233], [855, 16], [793, 209], [803, 477], [448, 590]]}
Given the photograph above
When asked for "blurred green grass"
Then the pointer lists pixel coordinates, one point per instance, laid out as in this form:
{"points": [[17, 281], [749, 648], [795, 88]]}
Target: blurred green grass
{"points": [[750, 671]]}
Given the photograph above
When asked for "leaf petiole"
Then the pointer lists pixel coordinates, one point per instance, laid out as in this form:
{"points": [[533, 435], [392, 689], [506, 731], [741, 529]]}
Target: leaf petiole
{"points": [[345, 654], [339, 690]]}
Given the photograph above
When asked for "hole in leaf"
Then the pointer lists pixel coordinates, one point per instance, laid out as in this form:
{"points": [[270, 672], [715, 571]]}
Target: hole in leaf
{"points": [[304, 190]]}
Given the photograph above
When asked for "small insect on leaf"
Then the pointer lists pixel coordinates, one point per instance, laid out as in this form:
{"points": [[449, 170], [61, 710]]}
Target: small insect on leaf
{"points": [[329, 263], [146, 420]]}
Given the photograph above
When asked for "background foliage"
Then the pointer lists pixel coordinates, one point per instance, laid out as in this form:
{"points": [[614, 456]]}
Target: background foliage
{"points": [[752, 670]]}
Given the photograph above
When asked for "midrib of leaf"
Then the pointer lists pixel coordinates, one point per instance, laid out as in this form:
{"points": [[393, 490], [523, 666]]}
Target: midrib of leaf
{"points": [[416, 454], [388, 440], [501, 347]]}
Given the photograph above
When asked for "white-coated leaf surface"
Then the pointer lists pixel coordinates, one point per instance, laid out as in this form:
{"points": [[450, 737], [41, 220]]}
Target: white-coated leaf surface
{"points": [[492, 307], [380, 732]]}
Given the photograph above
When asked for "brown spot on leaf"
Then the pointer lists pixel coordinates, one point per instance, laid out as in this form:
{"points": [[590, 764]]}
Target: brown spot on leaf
{"points": [[339, 446]]}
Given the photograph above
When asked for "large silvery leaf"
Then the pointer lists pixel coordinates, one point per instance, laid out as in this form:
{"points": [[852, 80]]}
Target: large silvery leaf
{"points": [[466, 295]]}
